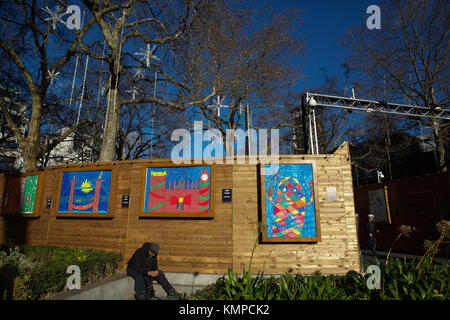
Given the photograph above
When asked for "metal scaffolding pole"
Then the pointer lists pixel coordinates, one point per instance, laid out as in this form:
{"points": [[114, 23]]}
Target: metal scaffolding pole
{"points": [[315, 131], [313, 100], [322, 100], [311, 146]]}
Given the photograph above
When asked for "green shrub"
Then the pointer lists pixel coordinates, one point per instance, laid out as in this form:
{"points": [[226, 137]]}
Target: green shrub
{"points": [[32, 272], [50, 277]]}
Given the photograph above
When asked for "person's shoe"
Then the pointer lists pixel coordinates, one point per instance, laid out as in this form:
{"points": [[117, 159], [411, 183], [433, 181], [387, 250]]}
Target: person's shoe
{"points": [[139, 297], [150, 294], [173, 294]]}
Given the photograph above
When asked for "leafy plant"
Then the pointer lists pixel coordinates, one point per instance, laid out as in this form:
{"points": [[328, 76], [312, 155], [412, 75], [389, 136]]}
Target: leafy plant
{"points": [[31, 272], [400, 281]]}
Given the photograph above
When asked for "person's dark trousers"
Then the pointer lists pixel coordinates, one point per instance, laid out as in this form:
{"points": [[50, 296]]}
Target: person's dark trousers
{"points": [[139, 283], [148, 288], [372, 244], [162, 280]]}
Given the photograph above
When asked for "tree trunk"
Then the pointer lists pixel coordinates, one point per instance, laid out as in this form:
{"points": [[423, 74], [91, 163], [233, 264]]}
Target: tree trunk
{"points": [[108, 151], [31, 147], [30, 159]]}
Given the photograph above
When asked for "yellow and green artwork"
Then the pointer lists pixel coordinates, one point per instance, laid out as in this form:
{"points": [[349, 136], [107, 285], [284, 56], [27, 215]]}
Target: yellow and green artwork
{"points": [[20, 195]]}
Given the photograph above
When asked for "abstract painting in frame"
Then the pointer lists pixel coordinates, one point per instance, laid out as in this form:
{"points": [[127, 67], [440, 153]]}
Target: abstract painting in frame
{"points": [[185, 191], [22, 195], [289, 206], [85, 192]]}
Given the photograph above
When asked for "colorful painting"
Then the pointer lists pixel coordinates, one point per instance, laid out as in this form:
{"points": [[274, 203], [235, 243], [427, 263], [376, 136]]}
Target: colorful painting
{"points": [[84, 192], [178, 191], [20, 195], [290, 206]]}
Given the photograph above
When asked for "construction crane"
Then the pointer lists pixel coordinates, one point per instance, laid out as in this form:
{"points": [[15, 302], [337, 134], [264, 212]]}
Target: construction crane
{"points": [[312, 100]]}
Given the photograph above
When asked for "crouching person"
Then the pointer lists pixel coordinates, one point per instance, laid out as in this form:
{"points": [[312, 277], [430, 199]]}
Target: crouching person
{"points": [[143, 268]]}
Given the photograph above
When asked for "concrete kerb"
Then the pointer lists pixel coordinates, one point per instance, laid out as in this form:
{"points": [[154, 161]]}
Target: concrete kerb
{"points": [[121, 287]]}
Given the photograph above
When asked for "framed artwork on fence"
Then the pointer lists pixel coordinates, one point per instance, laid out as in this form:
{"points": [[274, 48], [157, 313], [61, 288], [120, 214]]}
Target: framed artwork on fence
{"points": [[185, 191], [22, 196], [378, 204], [86, 192], [289, 207]]}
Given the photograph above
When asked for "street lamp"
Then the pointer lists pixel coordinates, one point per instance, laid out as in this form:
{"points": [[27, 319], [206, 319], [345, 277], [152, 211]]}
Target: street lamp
{"points": [[311, 102], [380, 176]]}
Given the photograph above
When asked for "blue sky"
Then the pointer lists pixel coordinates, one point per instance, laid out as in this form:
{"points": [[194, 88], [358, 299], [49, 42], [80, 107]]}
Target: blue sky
{"points": [[324, 22]]}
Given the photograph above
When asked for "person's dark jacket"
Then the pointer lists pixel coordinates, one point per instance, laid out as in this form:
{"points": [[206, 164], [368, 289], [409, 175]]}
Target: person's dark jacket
{"points": [[142, 261], [370, 227]]}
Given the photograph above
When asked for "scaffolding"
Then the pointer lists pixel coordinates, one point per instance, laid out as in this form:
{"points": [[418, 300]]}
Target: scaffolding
{"points": [[312, 100]]}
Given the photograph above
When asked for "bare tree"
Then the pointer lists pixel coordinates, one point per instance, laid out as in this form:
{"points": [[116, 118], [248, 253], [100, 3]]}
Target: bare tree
{"points": [[232, 59], [38, 46], [144, 131], [407, 60], [125, 27]]}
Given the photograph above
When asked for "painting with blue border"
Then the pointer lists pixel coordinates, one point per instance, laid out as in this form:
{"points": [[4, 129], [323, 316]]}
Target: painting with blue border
{"points": [[85, 192]]}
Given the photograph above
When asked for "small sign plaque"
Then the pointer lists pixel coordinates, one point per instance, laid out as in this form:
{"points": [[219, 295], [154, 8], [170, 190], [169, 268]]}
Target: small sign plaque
{"points": [[226, 195], [126, 201], [331, 194], [49, 202]]}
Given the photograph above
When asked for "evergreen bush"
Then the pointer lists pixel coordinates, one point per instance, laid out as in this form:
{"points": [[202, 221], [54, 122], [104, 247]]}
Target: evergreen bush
{"points": [[33, 272]]}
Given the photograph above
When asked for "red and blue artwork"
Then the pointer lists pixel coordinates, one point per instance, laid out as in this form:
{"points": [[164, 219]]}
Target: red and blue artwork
{"points": [[85, 192], [178, 190], [290, 205]]}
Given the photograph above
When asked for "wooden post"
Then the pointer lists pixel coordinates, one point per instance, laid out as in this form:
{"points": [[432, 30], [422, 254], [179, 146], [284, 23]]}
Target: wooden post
{"points": [[98, 186], [72, 189]]}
